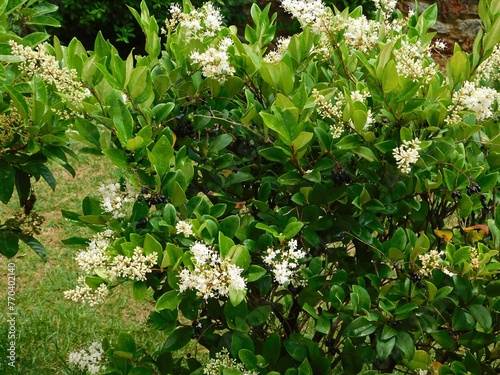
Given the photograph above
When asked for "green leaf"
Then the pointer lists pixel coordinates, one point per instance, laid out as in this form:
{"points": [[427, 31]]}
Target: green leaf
{"points": [[151, 245], [405, 344], [322, 325], [169, 300], [230, 225], [220, 142], [259, 315], [178, 339], [160, 156], [360, 298], [7, 182], [179, 196], [9, 243], [122, 120], [390, 79], [482, 316], [360, 327], [292, 229], [35, 245], [118, 157], [139, 290], [236, 296], [275, 154], [248, 358], [254, 273], [384, 347], [241, 341], [272, 348]]}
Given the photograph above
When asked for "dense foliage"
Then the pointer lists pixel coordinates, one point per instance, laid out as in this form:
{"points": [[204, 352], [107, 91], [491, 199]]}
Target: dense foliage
{"points": [[33, 119], [83, 19], [327, 207]]}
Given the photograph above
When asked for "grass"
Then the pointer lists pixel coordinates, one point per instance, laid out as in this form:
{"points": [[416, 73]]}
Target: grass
{"points": [[48, 326]]}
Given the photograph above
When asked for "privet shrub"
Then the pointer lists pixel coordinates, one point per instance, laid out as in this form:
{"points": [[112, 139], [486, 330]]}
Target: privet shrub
{"points": [[36, 98], [328, 207]]}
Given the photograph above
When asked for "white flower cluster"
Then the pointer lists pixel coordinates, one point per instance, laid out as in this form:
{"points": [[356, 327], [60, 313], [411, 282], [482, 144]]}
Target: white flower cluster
{"points": [[386, 6], [489, 70], [406, 154], [430, 261], [185, 228], [222, 361], [41, 63], [88, 360], [113, 198], [326, 109], [198, 24], [471, 98], [85, 294], [215, 61], [274, 57], [134, 268], [285, 263], [95, 255], [412, 61], [474, 258], [309, 13], [212, 276], [361, 33]]}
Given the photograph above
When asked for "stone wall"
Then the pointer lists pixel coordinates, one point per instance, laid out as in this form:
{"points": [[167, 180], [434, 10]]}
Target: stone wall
{"points": [[458, 21]]}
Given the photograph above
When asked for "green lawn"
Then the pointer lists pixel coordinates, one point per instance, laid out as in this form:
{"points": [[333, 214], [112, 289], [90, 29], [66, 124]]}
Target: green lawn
{"points": [[48, 326]]}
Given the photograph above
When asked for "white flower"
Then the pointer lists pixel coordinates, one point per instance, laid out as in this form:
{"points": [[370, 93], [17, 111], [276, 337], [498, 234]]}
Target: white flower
{"points": [[430, 261], [134, 268], [285, 263], [215, 61], [309, 13], [361, 33], [489, 70], [387, 6], [88, 360], [41, 63], [407, 154], [412, 61], [274, 57], [471, 98], [113, 198], [212, 276], [222, 361], [95, 254], [85, 294], [198, 24], [185, 228]]}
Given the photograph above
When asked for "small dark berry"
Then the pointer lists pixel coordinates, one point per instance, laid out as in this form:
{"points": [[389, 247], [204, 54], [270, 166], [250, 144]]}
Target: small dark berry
{"points": [[141, 224], [144, 190], [188, 355], [456, 194], [131, 158], [140, 198]]}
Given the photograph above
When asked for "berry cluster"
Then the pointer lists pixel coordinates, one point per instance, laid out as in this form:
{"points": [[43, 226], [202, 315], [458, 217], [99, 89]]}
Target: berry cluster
{"points": [[141, 224], [456, 194], [185, 128], [150, 197], [416, 278], [341, 176], [473, 188], [395, 323]]}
